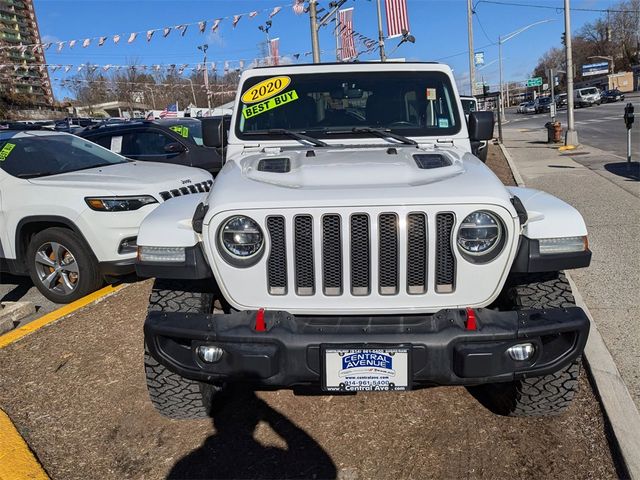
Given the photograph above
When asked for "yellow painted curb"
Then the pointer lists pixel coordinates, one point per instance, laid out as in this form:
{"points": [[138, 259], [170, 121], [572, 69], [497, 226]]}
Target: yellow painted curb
{"points": [[18, 333], [16, 460], [566, 147]]}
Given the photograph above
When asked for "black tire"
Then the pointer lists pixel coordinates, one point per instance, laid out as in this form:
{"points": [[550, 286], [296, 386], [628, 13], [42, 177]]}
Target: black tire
{"points": [[536, 396], [67, 286], [171, 394]]}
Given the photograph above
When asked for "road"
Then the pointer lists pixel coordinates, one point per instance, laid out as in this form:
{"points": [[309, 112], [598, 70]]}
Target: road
{"points": [[600, 126]]}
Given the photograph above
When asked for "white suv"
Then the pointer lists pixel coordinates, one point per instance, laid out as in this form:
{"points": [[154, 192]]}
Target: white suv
{"points": [[70, 210]]}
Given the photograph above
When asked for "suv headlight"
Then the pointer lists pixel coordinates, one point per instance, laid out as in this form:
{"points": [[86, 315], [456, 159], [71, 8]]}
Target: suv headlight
{"points": [[240, 241], [480, 236], [119, 204]]}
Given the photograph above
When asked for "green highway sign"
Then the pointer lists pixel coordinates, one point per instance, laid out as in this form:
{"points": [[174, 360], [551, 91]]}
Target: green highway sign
{"points": [[534, 82]]}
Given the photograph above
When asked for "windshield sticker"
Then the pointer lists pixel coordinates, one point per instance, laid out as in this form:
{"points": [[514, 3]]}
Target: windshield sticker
{"points": [[6, 150], [266, 89], [275, 102], [443, 123], [431, 93], [181, 130], [116, 144]]}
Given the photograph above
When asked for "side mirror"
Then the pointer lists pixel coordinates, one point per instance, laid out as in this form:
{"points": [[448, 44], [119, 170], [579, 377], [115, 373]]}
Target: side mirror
{"points": [[175, 147], [213, 132], [481, 125]]}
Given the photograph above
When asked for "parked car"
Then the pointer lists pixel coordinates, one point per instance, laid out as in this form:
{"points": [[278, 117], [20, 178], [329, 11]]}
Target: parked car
{"points": [[73, 124], [70, 210], [520, 108], [614, 95], [180, 141], [561, 100], [353, 242], [479, 149], [542, 104], [586, 97], [529, 107]]}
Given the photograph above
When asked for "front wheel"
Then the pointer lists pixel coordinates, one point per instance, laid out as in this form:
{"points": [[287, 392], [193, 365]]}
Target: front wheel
{"points": [[61, 265], [536, 396]]}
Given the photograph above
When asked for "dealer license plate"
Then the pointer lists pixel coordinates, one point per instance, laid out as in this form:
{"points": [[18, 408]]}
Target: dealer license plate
{"points": [[376, 369]]}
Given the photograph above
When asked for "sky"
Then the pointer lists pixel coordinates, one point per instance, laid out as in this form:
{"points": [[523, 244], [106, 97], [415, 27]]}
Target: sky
{"points": [[439, 26]]}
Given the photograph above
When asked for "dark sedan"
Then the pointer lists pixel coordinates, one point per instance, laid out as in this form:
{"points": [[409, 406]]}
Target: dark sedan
{"points": [[614, 95]]}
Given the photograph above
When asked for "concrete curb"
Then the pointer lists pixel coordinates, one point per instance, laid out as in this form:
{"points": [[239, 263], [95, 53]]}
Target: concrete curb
{"points": [[616, 400], [11, 312]]}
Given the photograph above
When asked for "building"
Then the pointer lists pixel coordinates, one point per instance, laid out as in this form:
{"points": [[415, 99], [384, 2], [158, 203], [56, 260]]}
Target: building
{"points": [[623, 81], [22, 61]]}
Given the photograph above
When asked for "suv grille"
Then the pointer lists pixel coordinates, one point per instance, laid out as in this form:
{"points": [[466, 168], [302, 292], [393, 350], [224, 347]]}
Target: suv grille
{"points": [[346, 263], [194, 188]]}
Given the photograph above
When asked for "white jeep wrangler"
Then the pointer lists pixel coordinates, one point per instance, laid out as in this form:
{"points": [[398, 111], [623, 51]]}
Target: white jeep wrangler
{"points": [[352, 242]]}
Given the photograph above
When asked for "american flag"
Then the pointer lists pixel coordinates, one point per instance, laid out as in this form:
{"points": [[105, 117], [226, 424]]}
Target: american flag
{"points": [[397, 17], [347, 44], [170, 111], [274, 51]]}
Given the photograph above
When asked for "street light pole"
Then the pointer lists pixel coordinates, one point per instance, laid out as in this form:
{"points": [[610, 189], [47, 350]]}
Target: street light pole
{"points": [[571, 137], [313, 20], [204, 49], [472, 69], [383, 56], [193, 92], [502, 118]]}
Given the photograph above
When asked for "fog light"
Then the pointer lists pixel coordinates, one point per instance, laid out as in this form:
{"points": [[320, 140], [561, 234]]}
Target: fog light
{"points": [[209, 354], [522, 351]]}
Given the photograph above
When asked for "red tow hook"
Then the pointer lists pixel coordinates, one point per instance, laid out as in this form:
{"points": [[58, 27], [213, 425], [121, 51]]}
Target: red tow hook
{"points": [[471, 319], [261, 325]]}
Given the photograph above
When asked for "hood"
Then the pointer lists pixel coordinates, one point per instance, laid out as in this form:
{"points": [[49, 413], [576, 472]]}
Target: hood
{"points": [[128, 178], [355, 176]]}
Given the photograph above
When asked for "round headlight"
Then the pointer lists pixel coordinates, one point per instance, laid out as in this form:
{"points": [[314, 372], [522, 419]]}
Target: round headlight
{"points": [[479, 234], [241, 237]]}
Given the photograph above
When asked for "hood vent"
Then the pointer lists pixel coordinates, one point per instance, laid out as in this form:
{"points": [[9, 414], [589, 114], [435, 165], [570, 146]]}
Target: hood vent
{"points": [[427, 161], [274, 165]]}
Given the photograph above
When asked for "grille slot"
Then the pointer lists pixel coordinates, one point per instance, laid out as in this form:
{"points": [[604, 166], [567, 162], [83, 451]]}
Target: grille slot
{"points": [[277, 261], [416, 253], [331, 255], [360, 255], [388, 253], [445, 261], [303, 245], [195, 188]]}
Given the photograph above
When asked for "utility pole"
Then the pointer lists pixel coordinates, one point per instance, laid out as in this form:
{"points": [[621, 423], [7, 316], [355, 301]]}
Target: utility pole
{"points": [[501, 113], [383, 56], [204, 49], [552, 108], [472, 67], [313, 19], [571, 137], [337, 32]]}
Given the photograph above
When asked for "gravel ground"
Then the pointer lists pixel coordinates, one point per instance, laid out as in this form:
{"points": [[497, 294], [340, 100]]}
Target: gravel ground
{"points": [[76, 391]]}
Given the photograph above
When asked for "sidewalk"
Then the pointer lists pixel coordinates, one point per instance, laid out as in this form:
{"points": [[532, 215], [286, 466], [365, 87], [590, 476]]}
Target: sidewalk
{"points": [[609, 201]]}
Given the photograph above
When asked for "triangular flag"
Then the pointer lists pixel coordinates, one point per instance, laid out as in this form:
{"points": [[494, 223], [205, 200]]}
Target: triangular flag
{"points": [[150, 34], [296, 56], [166, 31], [61, 45], [45, 46], [216, 24], [274, 11], [226, 66], [101, 41], [54, 68], [236, 19], [132, 37], [182, 28], [72, 43], [106, 67], [156, 68], [86, 43], [253, 14], [202, 26], [67, 68], [80, 67], [35, 48], [116, 38]]}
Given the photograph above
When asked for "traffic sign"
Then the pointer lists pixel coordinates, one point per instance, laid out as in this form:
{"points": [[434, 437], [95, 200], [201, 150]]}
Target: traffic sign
{"points": [[534, 82]]}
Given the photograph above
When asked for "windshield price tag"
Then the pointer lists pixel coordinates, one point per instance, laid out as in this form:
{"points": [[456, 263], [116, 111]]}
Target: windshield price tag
{"points": [[181, 130], [6, 150], [266, 89], [431, 93], [275, 102]]}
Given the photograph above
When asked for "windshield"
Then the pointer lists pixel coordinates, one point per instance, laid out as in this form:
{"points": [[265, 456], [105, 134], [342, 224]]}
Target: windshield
{"points": [[332, 104], [589, 91], [31, 156]]}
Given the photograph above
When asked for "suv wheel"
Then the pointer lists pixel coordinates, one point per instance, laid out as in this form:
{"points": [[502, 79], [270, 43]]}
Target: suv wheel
{"points": [[536, 396], [171, 394], [62, 266]]}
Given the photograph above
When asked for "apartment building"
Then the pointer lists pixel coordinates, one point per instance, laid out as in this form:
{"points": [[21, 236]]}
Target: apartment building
{"points": [[21, 54]]}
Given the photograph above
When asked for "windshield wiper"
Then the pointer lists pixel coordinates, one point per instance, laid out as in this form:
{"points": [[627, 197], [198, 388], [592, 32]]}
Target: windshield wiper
{"points": [[293, 134], [378, 132]]}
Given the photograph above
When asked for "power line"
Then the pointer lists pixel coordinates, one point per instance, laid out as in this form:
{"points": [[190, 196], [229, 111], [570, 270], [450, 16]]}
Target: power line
{"points": [[557, 9], [482, 27]]}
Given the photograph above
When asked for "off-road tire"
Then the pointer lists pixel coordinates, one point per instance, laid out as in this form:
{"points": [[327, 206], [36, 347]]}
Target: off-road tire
{"points": [[89, 277], [536, 396], [171, 394]]}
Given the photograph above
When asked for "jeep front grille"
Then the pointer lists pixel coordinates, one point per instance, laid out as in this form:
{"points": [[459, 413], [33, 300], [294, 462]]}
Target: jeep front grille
{"points": [[194, 188], [345, 257]]}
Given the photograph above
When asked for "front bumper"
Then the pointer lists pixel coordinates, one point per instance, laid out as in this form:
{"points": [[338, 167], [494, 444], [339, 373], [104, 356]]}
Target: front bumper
{"points": [[443, 351]]}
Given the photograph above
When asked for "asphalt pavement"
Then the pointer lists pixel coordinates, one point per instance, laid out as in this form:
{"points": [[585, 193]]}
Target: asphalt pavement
{"points": [[21, 289], [600, 126]]}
